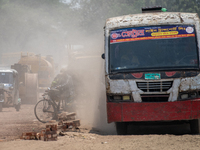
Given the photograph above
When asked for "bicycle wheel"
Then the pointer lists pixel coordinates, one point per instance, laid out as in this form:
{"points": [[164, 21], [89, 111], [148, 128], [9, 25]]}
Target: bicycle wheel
{"points": [[44, 111]]}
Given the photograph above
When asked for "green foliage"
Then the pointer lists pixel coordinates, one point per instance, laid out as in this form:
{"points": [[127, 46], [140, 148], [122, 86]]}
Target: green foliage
{"points": [[94, 12]]}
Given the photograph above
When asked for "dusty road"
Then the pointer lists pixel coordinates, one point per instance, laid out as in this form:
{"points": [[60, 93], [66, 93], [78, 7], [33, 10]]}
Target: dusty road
{"points": [[147, 138]]}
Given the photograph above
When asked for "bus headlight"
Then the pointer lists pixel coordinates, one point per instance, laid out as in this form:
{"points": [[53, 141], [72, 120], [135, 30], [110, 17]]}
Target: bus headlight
{"points": [[117, 97], [184, 96], [126, 97], [190, 95]]}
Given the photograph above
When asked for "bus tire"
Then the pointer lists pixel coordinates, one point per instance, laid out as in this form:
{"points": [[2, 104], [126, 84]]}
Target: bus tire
{"points": [[195, 126], [121, 128]]}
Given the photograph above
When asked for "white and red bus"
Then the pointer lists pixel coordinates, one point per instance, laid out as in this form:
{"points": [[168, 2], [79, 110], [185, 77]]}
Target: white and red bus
{"points": [[152, 68]]}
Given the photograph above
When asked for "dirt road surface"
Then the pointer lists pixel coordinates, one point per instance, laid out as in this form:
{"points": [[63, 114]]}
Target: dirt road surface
{"points": [[13, 124]]}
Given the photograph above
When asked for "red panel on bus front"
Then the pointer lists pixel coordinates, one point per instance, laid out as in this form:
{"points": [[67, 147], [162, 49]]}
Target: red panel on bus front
{"points": [[115, 111], [130, 111]]}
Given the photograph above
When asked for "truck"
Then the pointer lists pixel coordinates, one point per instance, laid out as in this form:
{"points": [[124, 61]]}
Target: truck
{"points": [[28, 84], [35, 75], [152, 68], [42, 65]]}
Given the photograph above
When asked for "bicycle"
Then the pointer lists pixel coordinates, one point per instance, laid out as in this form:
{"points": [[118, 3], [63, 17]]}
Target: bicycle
{"points": [[48, 108]]}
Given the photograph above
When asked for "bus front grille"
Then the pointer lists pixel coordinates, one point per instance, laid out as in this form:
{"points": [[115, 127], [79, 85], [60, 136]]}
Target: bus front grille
{"points": [[161, 86]]}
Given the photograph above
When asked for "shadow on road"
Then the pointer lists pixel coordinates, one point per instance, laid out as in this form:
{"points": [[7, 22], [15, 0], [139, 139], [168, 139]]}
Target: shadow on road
{"points": [[176, 129]]}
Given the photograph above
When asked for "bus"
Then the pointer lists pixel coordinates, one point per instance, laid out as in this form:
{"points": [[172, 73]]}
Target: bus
{"points": [[152, 71]]}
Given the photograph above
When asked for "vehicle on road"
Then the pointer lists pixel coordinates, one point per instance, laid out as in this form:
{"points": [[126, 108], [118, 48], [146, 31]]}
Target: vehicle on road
{"points": [[152, 68], [36, 74], [9, 89]]}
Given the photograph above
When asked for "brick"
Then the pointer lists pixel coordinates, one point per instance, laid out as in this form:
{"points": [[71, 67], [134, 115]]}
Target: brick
{"points": [[60, 126], [47, 130], [67, 123], [49, 136], [70, 116], [76, 123], [52, 127], [32, 137], [29, 133], [38, 136], [43, 131], [27, 137], [51, 132], [67, 116], [54, 135], [43, 137]]}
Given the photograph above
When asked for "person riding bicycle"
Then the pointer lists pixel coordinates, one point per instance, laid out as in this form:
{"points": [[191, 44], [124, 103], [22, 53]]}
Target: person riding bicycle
{"points": [[63, 82], [59, 79], [59, 98]]}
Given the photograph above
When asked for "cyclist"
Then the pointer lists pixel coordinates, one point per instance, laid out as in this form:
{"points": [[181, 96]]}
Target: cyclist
{"points": [[64, 84]]}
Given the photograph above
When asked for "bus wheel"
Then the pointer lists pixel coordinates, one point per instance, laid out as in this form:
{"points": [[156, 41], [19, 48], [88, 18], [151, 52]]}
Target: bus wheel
{"points": [[1, 107], [195, 126], [121, 128]]}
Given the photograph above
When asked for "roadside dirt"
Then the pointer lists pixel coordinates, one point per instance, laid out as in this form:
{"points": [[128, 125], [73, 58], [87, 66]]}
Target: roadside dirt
{"points": [[13, 124]]}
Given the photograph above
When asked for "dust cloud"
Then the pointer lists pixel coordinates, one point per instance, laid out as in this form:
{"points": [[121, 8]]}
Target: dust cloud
{"points": [[35, 27], [87, 70]]}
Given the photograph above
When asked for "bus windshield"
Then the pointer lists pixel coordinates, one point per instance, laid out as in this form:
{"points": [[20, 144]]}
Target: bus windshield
{"points": [[6, 77], [153, 48]]}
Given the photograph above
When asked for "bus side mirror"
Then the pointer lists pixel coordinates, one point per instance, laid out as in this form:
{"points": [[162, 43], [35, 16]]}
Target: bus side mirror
{"points": [[103, 56]]}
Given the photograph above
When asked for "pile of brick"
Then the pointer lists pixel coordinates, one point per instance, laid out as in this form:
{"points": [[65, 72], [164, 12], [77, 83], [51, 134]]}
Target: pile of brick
{"points": [[68, 122], [48, 134], [29, 136]]}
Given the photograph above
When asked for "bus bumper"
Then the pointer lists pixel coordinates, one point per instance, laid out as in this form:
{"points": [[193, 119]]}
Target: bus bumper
{"points": [[158, 111]]}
